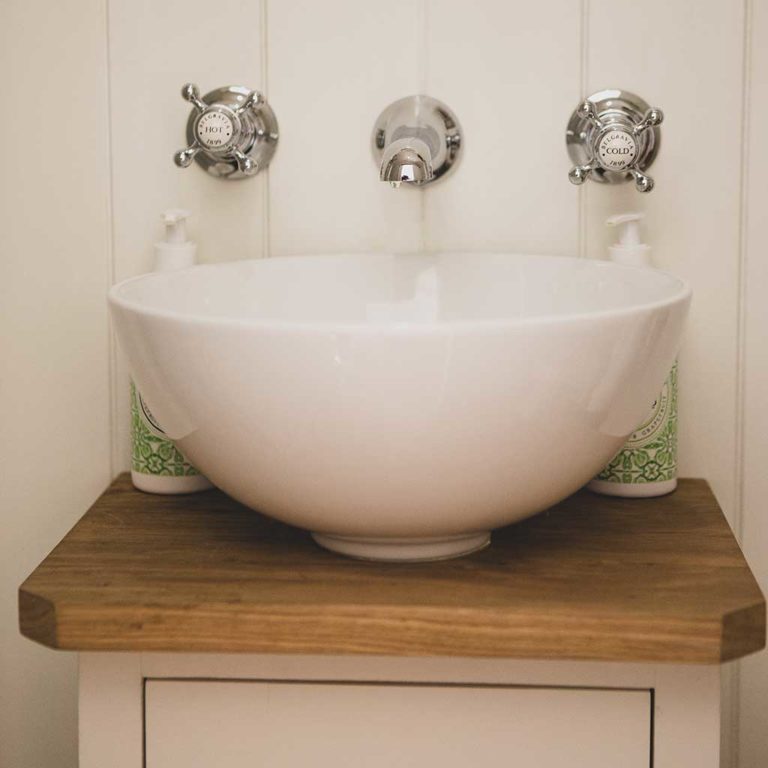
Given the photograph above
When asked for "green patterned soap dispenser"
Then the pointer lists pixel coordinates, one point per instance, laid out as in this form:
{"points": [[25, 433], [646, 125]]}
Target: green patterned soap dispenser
{"points": [[157, 465], [647, 464]]}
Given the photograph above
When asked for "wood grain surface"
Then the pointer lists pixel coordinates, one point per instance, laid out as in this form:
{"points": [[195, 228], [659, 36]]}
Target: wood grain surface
{"points": [[592, 578]]}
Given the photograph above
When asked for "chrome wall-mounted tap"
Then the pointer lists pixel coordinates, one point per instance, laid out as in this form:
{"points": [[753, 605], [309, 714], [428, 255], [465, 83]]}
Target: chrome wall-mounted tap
{"points": [[613, 136], [416, 140]]}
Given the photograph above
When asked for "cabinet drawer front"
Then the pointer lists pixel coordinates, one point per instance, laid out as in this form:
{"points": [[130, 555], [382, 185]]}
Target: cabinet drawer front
{"points": [[218, 724]]}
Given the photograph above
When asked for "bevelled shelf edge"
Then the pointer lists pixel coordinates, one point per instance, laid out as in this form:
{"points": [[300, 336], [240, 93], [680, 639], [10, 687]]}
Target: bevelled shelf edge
{"points": [[37, 619], [373, 630], [744, 632]]}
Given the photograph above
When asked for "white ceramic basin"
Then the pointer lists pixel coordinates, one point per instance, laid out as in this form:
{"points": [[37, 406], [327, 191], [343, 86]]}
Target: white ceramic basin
{"points": [[401, 407]]}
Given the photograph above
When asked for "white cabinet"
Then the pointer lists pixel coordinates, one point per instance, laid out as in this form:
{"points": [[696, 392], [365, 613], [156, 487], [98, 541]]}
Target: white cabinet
{"points": [[168, 710], [224, 724]]}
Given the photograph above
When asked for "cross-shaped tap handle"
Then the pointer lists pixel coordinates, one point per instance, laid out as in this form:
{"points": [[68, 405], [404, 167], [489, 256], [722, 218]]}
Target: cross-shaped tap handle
{"points": [[613, 136], [231, 132]]}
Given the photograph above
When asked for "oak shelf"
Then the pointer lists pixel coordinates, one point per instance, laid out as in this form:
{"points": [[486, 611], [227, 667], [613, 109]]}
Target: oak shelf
{"points": [[592, 578]]}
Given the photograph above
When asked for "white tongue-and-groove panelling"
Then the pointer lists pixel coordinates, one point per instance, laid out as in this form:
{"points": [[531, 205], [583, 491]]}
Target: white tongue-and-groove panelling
{"points": [[513, 72]]}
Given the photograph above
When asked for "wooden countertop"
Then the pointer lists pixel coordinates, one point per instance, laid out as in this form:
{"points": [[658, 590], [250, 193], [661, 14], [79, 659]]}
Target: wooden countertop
{"points": [[592, 578]]}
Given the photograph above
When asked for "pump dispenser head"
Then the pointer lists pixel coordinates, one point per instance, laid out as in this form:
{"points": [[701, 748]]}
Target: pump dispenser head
{"points": [[175, 226], [629, 249], [174, 251]]}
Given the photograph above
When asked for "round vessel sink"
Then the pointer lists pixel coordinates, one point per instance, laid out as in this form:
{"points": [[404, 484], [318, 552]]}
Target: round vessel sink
{"points": [[401, 407]]}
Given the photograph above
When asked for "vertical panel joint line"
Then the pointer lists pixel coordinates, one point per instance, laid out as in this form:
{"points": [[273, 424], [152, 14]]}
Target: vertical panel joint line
{"points": [[424, 239], [582, 210], [740, 404], [114, 453], [742, 270], [266, 236]]}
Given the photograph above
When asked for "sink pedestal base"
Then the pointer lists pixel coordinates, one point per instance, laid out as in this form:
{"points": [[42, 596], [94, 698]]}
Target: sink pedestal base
{"points": [[404, 549]]}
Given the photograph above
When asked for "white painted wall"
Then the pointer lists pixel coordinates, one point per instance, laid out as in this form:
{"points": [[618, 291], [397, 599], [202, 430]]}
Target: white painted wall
{"points": [[511, 71], [751, 727], [54, 339]]}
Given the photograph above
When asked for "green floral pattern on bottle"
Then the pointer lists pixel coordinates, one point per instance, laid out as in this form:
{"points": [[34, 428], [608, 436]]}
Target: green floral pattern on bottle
{"points": [[650, 454], [153, 454]]}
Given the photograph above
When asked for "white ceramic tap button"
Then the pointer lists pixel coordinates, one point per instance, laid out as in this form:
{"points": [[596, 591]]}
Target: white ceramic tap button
{"points": [[617, 150], [215, 130]]}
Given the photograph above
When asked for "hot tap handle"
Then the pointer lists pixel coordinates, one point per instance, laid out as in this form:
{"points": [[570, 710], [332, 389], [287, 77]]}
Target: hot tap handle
{"points": [[184, 157], [247, 165], [253, 101], [191, 93], [231, 131]]}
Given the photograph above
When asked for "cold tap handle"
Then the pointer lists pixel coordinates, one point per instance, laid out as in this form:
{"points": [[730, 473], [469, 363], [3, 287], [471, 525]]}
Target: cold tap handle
{"points": [[652, 118], [613, 136], [580, 173], [588, 111], [643, 183]]}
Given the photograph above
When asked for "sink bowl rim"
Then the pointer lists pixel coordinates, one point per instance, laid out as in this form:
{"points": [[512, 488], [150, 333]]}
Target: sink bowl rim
{"points": [[410, 328]]}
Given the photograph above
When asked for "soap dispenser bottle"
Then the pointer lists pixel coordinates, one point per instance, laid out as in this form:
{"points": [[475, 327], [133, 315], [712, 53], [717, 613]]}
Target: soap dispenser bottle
{"points": [[647, 464], [157, 465]]}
